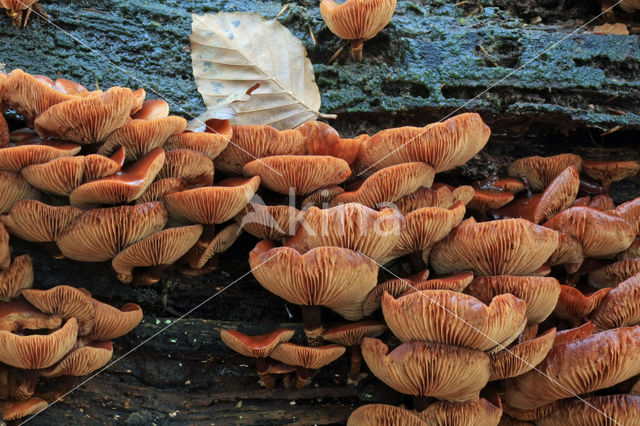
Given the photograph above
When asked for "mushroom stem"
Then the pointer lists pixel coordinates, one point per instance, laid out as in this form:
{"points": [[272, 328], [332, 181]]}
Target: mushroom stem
{"points": [[53, 250], [420, 403], [150, 276], [266, 379], [312, 320], [286, 380], [356, 362], [303, 377], [356, 49]]}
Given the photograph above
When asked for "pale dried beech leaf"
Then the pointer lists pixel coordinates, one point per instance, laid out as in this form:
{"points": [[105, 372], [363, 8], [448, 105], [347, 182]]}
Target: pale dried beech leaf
{"points": [[231, 51]]}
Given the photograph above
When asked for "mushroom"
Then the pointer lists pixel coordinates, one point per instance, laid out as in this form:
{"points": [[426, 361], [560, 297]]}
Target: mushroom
{"points": [[13, 188], [454, 282], [602, 202], [82, 361], [322, 139], [394, 287], [18, 276], [578, 367], [321, 198], [334, 277], [258, 347], [522, 357], [5, 250], [351, 226], [123, 187], [149, 128], [253, 142], [425, 197], [4, 132], [66, 302], [427, 369], [91, 119], [155, 252], [302, 174], [202, 257], [383, 415], [513, 185], [40, 223], [18, 316], [452, 318], [600, 233], [191, 166], [574, 306], [620, 307], [569, 253], [602, 409], [210, 144], [607, 172], [14, 410], [33, 150], [269, 222], [500, 247], [611, 275], [351, 335], [632, 252], [388, 185], [307, 359], [538, 172], [443, 146], [630, 211], [17, 384], [357, 20], [540, 293], [111, 322], [486, 200], [98, 235], [158, 189]]}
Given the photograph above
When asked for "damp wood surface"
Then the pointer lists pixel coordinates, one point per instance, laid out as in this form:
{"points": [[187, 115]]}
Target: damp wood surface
{"points": [[583, 97]]}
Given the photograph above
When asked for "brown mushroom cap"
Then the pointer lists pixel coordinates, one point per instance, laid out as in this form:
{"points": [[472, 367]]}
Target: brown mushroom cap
{"points": [[620, 307], [442, 145], [162, 248], [112, 323], [19, 275], [454, 282], [124, 186], [351, 226], [500, 247], [65, 301], [632, 252], [448, 317], [540, 293], [357, 19], [269, 222], [353, 333], [38, 222], [13, 187], [90, 119], [4, 132], [98, 235], [212, 204], [322, 139], [210, 144], [304, 173], [595, 410], [569, 253], [520, 358], [452, 373], [5, 250], [611, 275], [602, 202], [578, 367], [610, 171], [426, 197], [312, 358], [14, 410], [191, 166], [600, 233], [251, 142], [18, 315], [485, 200], [37, 351], [30, 96], [19, 155], [425, 227], [259, 346], [468, 413], [577, 333], [630, 211], [574, 306], [394, 287], [158, 189], [384, 415], [82, 361], [512, 185], [201, 253], [334, 277], [321, 198], [541, 171], [388, 185]]}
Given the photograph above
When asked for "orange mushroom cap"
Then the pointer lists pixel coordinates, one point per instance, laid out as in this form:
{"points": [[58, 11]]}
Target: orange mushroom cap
{"points": [[252, 142], [158, 189], [269, 222], [82, 361], [124, 186], [388, 185], [600, 233], [304, 173], [426, 197], [620, 307], [454, 282], [594, 410], [351, 226], [334, 277], [444, 145], [4, 132], [201, 253], [18, 315], [602, 202], [38, 222], [37, 351], [5, 250], [507, 247], [21, 154], [569, 253], [448, 317], [630, 211], [610, 171], [112, 323], [321, 198], [541, 171], [384, 415], [312, 358], [210, 144], [162, 248], [90, 119], [191, 166], [18, 276], [485, 200], [65, 301], [518, 359], [357, 19], [212, 204], [98, 235], [394, 287], [452, 373], [14, 410], [574, 306], [611, 275], [259, 346], [352, 334], [512, 185], [467, 413], [540, 293], [322, 139]]}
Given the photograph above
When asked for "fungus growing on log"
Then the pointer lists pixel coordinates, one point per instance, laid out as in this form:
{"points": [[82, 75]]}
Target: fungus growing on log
{"points": [[191, 166], [82, 361], [538, 172], [307, 359], [66, 302]]}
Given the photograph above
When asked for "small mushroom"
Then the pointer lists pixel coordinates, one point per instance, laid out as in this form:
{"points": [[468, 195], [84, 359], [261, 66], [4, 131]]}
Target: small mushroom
{"points": [[82, 361], [607, 172], [487, 200], [574, 306], [16, 316], [191, 166], [321, 198], [13, 188], [111, 322], [522, 357], [538, 172], [33, 150], [620, 307], [269, 222], [18, 276], [66, 302], [158, 189], [307, 359], [210, 144], [322, 139], [425, 197], [611, 275], [454, 282], [14, 410], [384, 415], [203, 256], [569, 253], [593, 410], [351, 335], [258, 347], [394, 287], [630, 211]]}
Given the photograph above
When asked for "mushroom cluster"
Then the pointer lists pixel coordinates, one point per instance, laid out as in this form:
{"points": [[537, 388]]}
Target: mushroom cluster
{"points": [[49, 337], [109, 176]]}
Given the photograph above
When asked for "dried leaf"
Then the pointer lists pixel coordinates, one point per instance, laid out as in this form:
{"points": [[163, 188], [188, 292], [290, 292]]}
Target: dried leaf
{"points": [[222, 110], [231, 51], [618, 28]]}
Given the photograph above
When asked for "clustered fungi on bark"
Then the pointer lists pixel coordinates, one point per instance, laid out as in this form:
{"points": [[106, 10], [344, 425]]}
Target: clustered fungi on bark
{"points": [[49, 337]]}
